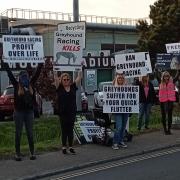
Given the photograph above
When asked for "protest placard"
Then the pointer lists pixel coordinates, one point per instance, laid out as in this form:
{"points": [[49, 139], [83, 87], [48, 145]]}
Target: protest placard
{"points": [[121, 99], [69, 42], [22, 49], [168, 61], [78, 27], [173, 48], [89, 129], [133, 64]]}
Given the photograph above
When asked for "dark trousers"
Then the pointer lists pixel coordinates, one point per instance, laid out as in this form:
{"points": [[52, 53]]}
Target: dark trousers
{"points": [[27, 118], [166, 110], [67, 125]]}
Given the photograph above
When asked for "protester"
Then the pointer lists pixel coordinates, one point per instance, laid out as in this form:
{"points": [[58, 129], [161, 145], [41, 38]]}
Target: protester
{"points": [[66, 96], [24, 100], [146, 100], [120, 118], [166, 97]]}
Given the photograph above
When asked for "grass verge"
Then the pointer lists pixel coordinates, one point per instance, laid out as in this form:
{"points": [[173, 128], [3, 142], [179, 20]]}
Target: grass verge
{"points": [[47, 133]]}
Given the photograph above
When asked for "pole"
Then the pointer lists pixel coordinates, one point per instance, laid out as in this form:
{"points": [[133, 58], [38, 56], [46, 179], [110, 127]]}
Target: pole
{"points": [[76, 19], [75, 10]]}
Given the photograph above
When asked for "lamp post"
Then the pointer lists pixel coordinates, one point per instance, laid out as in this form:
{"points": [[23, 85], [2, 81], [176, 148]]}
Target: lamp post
{"points": [[75, 10]]}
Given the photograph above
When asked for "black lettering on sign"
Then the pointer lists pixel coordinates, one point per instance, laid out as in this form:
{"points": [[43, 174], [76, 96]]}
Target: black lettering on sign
{"points": [[16, 53], [131, 96], [99, 62], [112, 102], [32, 53], [120, 109], [130, 57]]}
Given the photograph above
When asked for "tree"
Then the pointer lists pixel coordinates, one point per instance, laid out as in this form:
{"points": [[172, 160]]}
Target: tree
{"points": [[165, 27], [45, 83]]}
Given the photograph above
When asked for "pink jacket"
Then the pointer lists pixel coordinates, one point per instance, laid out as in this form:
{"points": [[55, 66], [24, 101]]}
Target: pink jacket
{"points": [[167, 92]]}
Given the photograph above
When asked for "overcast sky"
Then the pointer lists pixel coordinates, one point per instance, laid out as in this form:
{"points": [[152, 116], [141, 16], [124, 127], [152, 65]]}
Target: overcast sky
{"points": [[111, 8]]}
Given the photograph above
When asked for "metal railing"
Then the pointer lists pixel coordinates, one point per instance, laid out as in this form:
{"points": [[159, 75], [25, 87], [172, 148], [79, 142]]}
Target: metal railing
{"points": [[16, 13]]}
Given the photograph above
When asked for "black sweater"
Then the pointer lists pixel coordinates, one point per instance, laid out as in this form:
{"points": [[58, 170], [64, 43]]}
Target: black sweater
{"points": [[19, 101]]}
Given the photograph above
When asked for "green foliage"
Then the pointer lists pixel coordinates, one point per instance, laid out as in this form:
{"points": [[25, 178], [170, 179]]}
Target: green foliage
{"points": [[155, 120], [165, 27]]}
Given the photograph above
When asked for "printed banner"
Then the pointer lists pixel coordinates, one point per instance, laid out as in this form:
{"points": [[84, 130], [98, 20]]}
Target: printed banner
{"points": [[77, 130], [173, 48], [69, 42], [133, 64], [168, 61], [121, 99], [89, 129], [84, 129], [23, 49]]}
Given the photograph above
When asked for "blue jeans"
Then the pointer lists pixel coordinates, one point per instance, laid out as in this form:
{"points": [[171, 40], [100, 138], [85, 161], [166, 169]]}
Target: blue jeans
{"points": [[121, 121], [20, 118], [144, 111]]}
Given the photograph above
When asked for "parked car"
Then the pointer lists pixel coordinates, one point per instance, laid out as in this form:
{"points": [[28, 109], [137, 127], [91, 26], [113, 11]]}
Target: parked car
{"points": [[98, 94], [7, 103]]}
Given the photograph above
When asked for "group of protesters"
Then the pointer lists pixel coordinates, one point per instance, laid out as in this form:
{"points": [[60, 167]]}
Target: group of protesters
{"points": [[24, 100], [147, 97]]}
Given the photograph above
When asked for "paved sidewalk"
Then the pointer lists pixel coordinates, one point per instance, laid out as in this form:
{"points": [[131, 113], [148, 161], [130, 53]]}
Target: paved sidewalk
{"points": [[87, 155]]}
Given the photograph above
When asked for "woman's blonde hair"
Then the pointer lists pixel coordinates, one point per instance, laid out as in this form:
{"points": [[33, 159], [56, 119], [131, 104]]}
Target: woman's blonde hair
{"points": [[115, 81], [63, 75], [165, 73]]}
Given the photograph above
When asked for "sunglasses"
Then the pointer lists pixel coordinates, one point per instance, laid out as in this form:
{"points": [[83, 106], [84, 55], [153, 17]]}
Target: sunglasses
{"points": [[66, 79]]}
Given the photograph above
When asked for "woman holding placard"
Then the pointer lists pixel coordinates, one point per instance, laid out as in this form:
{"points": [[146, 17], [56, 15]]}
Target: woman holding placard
{"points": [[24, 102], [120, 118], [66, 98], [146, 100]]}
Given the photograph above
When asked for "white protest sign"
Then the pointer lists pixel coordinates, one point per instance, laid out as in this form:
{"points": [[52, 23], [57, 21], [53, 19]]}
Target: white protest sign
{"points": [[23, 49], [133, 64], [173, 48], [121, 99], [69, 42], [78, 27], [89, 129]]}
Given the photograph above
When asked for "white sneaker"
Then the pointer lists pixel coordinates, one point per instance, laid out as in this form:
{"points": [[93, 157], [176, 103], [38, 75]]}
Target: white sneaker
{"points": [[115, 146], [123, 145]]}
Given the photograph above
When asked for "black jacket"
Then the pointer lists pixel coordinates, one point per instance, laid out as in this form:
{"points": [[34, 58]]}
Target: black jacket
{"points": [[151, 98]]}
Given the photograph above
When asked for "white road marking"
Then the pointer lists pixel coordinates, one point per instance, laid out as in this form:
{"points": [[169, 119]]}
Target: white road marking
{"points": [[112, 165]]}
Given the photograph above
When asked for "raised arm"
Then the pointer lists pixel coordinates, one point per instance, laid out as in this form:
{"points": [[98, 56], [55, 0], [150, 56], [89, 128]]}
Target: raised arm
{"points": [[56, 80], [10, 74], [78, 79], [37, 73]]}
